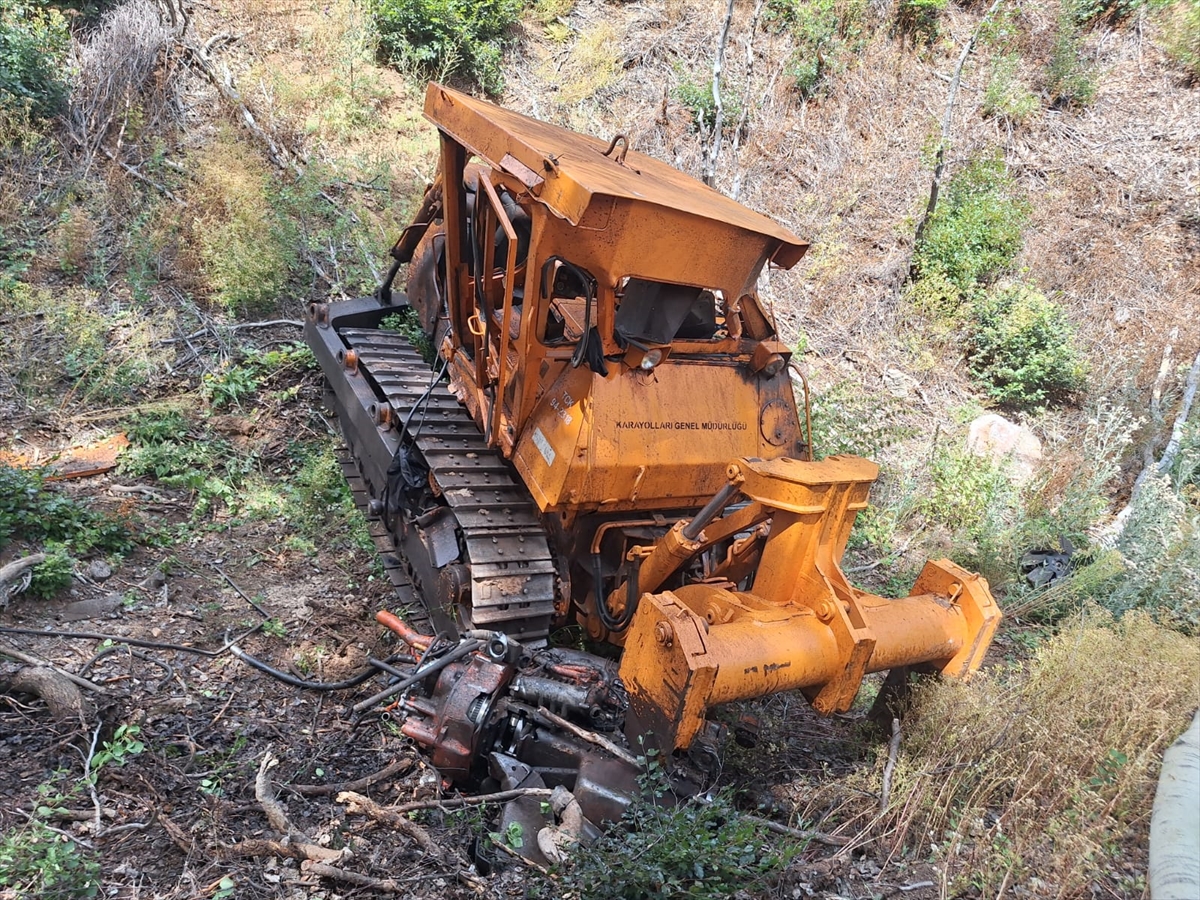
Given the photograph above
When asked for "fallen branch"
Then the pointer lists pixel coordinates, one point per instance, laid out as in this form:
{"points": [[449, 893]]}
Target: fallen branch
{"points": [[591, 737], [15, 570], [20, 656], [282, 849], [399, 767], [890, 769], [358, 804], [239, 326], [448, 803], [323, 870], [804, 834], [298, 844]]}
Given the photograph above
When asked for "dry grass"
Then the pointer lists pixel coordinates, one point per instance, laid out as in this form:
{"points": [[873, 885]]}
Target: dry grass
{"points": [[1047, 769]]}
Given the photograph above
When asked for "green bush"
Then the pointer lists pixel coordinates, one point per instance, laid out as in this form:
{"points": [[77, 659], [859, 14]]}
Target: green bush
{"points": [[826, 33], [698, 98], [32, 510], [1160, 552], [1021, 347], [38, 861], [54, 574], [975, 232], [702, 849], [1007, 96], [1070, 79], [33, 50], [448, 38], [849, 419]]}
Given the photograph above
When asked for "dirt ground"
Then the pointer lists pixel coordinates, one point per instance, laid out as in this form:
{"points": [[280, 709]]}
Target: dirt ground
{"points": [[184, 818]]}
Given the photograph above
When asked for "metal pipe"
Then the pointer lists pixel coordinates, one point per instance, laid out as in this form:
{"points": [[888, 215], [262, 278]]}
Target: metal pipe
{"points": [[711, 510], [436, 666]]}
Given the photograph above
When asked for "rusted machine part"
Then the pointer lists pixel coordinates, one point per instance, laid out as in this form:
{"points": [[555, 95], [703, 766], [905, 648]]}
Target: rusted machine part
{"points": [[801, 624]]}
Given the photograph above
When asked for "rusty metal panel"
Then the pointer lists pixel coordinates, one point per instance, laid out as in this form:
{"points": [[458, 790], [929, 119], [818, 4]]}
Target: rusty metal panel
{"points": [[575, 169]]}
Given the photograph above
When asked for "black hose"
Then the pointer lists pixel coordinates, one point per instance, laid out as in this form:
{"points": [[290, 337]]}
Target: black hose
{"points": [[607, 619], [369, 672]]}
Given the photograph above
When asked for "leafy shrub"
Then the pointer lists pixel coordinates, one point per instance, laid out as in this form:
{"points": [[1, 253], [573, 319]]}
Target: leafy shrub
{"points": [[33, 49], [36, 861], [1070, 79], [33, 511], [1022, 347], [1007, 96], [54, 574], [975, 232], [1160, 556], [826, 32], [448, 38], [849, 419], [698, 98], [698, 849]]}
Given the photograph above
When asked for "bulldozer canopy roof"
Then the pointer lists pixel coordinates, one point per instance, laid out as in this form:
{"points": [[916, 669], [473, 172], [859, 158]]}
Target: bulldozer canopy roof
{"points": [[564, 169]]}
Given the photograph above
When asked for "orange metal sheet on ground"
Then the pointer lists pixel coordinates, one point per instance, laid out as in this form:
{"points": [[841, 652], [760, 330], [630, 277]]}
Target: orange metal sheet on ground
{"points": [[76, 462]]}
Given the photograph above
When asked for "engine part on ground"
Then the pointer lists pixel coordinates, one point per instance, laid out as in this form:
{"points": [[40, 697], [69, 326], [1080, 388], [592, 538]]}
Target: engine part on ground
{"points": [[1043, 567], [483, 715]]}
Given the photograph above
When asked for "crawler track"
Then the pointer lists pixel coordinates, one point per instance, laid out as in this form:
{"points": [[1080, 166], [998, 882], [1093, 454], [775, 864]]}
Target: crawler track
{"points": [[499, 530]]}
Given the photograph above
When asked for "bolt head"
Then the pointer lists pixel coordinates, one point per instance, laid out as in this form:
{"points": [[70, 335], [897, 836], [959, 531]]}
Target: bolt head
{"points": [[664, 634]]}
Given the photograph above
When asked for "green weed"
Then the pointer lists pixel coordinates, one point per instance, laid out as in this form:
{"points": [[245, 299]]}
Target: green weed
{"points": [[38, 862], [1070, 79], [849, 419], [54, 574], [975, 232], [34, 41], [1180, 23], [697, 97], [1007, 96], [1022, 348], [444, 38], [826, 32], [700, 848], [229, 387], [33, 510], [407, 323]]}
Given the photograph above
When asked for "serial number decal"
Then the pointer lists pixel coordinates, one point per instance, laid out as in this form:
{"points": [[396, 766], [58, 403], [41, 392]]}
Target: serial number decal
{"points": [[543, 445], [646, 425], [560, 407]]}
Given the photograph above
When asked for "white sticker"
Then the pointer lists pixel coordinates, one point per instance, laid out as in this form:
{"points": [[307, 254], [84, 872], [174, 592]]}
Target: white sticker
{"points": [[543, 446]]}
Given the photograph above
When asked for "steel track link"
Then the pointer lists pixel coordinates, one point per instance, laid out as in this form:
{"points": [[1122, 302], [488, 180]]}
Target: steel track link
{"points": [[511, 566]]}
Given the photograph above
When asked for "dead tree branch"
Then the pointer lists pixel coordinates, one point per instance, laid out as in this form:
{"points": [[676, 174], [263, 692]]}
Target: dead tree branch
{"points": [[591, 737], [890, 769], [17, 570], [803, 834], [358, 804], [709, 171]]}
